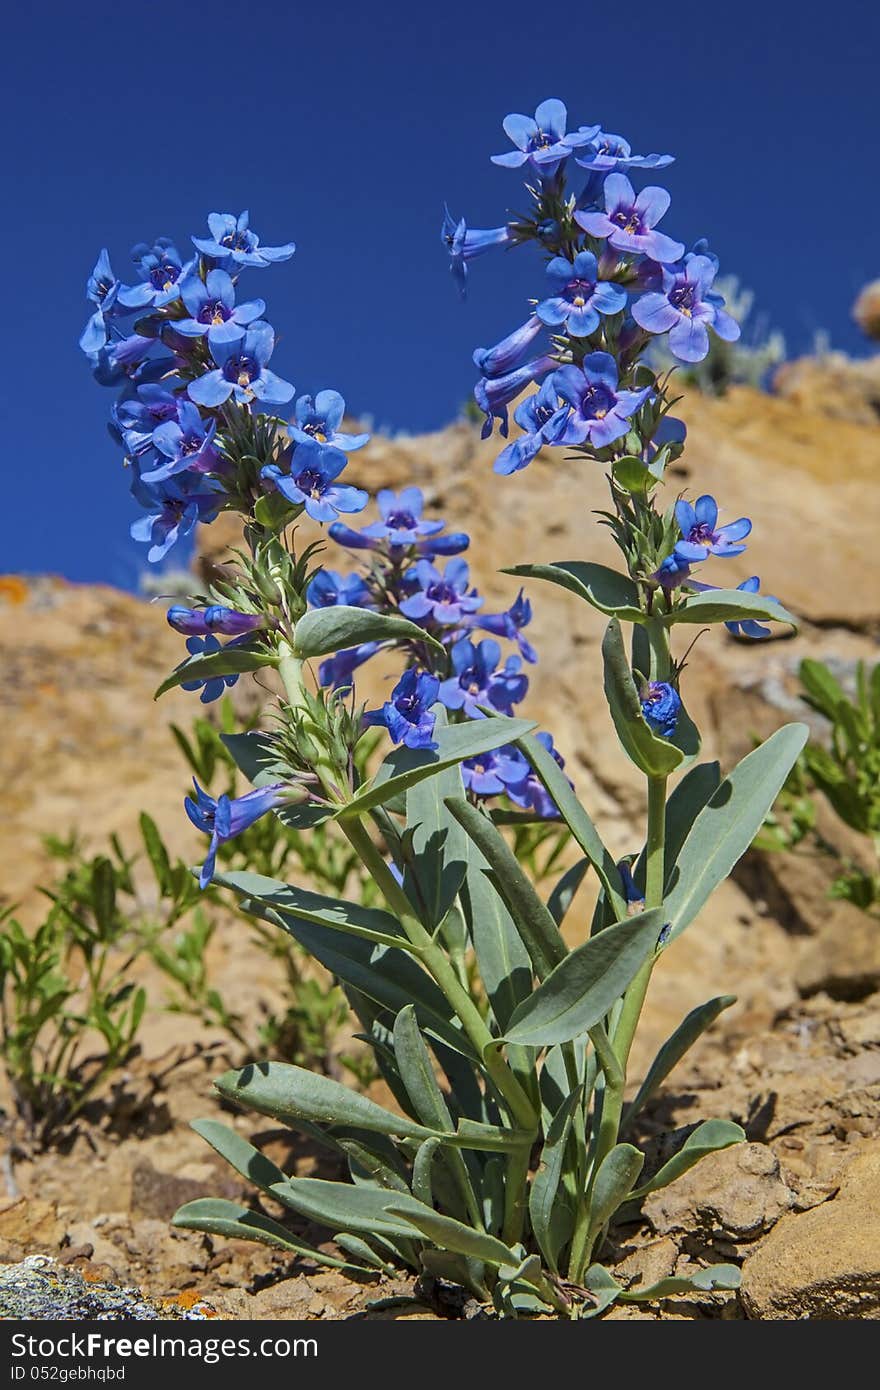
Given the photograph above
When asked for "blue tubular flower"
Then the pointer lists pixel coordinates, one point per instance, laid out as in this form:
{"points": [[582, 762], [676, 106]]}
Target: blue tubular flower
{"points": [[509, 353], [317, 421], [531, 793], [213, 686], [477, 681], [311, 484], [441, 598], [464, 244], [407, 715], [125, 359], [748, 627], [161, 269], [212, 309], [189, 621], [701, 534], [453, 544], [543, 417], [231, 623], [494, 394], [579, 296], [338, 670], [606, 153], [628, 221], [402, 522], [685, 307], [241, 370], [495, 772], [329, 588], [102, 288], [600, 413], [631, 891], [173, 508], [660, 706], [227, 817], [233, 243], [184, 444], [511, 623], [138, 417], [542, 141]]}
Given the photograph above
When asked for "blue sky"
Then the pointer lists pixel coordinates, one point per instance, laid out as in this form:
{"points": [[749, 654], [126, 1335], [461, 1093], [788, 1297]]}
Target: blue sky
{"points": [[344, 127]]}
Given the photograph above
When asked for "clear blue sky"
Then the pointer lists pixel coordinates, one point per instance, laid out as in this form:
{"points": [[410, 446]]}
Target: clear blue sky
{"points": [[344, 126]]}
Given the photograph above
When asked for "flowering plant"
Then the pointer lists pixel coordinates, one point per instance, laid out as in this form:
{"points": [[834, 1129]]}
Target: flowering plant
{"points": [[509, 1151]]}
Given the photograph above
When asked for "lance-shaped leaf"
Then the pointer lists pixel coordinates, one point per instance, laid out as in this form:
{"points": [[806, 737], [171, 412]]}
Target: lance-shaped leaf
{"points": [[552, 1219], [343, 1207], [217, 1217], [579, 823], [580, 991], [353, 1245], [675, 1047], [617, 1175], [603, 588], [729, 606], [229, 661], [437, 856], [605, 1290], [291, 1093], [370, 923], [453, 1235], [707, 1138], [502, 959], [563, 894], [325, 630], [728, 823], [655, 755], [257, 758], [241, 1155], [532, 918], [404, 767], [704, 1281]]}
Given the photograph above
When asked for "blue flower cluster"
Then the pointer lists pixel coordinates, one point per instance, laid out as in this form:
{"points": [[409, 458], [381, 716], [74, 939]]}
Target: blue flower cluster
{"points": [[184, 353]]}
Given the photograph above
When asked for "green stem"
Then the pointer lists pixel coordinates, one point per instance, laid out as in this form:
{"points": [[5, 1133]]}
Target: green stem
{"points": [[515, 1195]]}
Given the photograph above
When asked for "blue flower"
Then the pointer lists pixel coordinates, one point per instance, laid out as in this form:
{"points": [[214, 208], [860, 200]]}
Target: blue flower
{"points": [[318, 421], [441, 598], [628, 221], [477, 681], [137, 417], [402, 522], [660, 706], [233, 243], [748, 627], [338, 670], [102, 289], [531, 793], [329, 588], [543, 418], [227, 817], [173, 508], [310, 482], [194, 622], [495, 772], [685, 308], [606, 153], [212, 687], [161, 269], [128, 359], [511, 623], [465, 243], [600, 412], [509, 353], [241, 371], [184, 444], [494, 394], [212, 309], [701, 534], [542, 141], [407, 715], [634, 895], [579, 296]]}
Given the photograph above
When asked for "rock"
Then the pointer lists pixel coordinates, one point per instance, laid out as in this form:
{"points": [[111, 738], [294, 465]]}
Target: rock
{"points": [[29, 1225], [844, 959], [42, 1289], [157, 1194], [729, 1198], [823, 1263], [847, 388], [866, 310]]}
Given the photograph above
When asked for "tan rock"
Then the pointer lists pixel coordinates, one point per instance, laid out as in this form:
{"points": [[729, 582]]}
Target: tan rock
{"points": [[29, 1225], [729, 1198]]}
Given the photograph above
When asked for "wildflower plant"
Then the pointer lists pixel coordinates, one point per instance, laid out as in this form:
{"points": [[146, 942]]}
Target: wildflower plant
{"points": [[508, 1150]]}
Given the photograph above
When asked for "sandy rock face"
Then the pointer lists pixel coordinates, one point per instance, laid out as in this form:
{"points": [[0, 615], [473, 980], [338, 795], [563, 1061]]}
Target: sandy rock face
{"points": [[728, 1199], [823, 1263]]}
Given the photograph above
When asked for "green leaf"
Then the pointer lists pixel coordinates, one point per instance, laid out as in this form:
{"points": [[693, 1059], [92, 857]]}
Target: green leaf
{"points": [[584, 986], [615, 1180], [502, 959], [821, 688], [404, 767], [243, 1157], [655, 755], [575, 817], [728, 606], [687, 800], [353, 1245], [604, 1288], [675, 1047], [728, 823], [563, 894], [707, 1138], [421, 1172], [612, 593], [532, 919], [438, 848], [370, 923], [257, 757], [156, 851], [454, 1235], [221, 1218], [634, 476], [287, 1092], [417, 1072], [552, 1220], [713, 1277], [229, 661], [325, 630], [343, 1207]]}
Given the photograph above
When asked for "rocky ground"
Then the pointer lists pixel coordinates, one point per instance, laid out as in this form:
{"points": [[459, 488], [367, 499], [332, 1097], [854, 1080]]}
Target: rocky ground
{"points": [[796, 1061]]}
